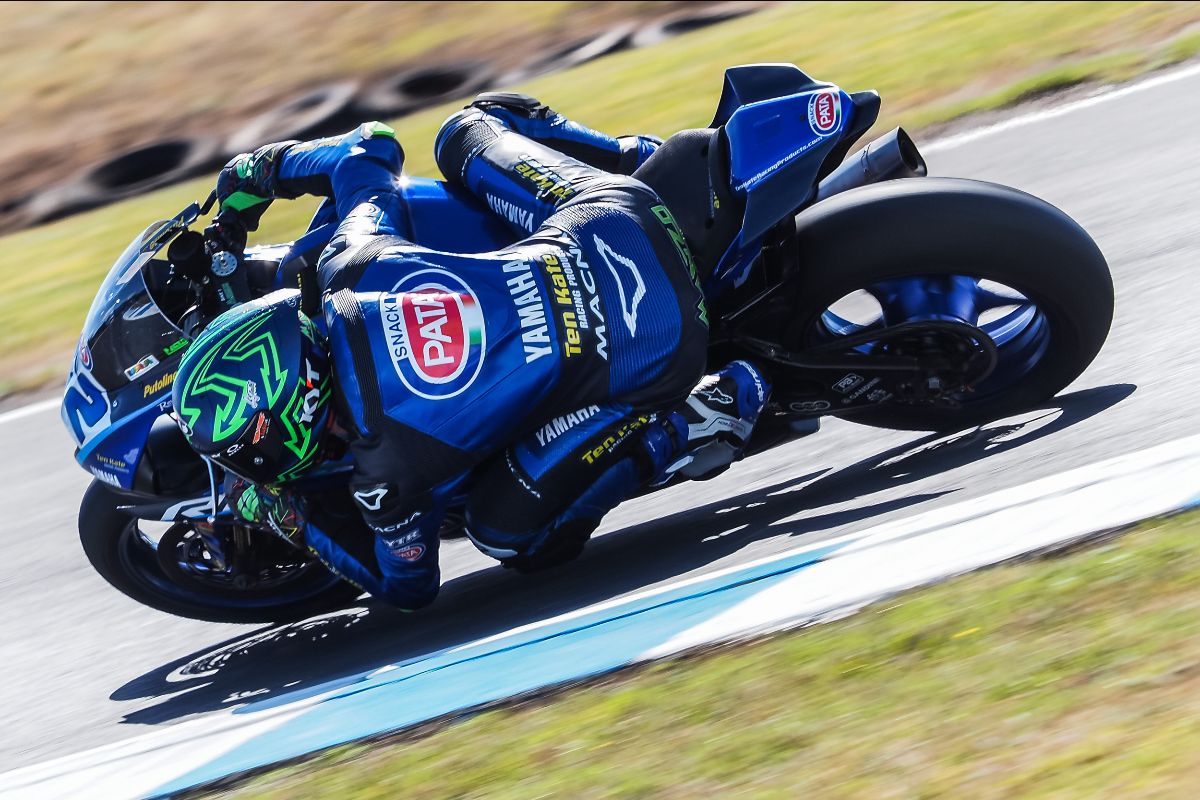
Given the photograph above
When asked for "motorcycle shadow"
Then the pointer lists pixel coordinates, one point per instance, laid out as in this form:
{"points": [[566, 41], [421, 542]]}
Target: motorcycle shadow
{"points": [[286, 660]]}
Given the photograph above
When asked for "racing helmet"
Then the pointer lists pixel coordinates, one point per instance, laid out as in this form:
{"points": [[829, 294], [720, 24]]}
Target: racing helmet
{"points": [[252, 392]]}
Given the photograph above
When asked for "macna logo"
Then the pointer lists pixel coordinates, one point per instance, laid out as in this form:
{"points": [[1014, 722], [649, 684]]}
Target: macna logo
{"points": [[825, 112], [434, 328], [628, 278]]}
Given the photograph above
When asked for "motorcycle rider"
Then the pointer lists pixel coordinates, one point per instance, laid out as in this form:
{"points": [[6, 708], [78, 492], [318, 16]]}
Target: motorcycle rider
{"points": [[547, 381]]}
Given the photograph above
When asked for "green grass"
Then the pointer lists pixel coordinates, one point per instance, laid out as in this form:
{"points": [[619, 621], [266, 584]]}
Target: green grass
{"points": [[1073, 677], [931, 61]]}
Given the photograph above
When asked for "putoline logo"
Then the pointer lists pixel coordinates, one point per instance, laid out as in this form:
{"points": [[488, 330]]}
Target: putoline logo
{"points": [[824, 112], [434, 329]]}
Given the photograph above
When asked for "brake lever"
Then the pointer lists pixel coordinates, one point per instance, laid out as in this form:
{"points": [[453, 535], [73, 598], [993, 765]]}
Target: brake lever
{"points": [[208, 204]]}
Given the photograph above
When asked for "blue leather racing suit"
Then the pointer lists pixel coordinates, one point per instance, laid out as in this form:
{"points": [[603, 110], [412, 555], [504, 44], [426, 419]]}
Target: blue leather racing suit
{"points": [[526, 379]]}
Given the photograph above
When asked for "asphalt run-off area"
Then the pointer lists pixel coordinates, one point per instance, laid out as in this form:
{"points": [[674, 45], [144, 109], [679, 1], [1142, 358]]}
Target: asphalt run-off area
{"points": [[90, 668]]}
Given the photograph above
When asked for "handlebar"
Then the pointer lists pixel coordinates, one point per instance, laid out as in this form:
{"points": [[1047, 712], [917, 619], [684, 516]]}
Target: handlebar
{"points": [[215, 273], [220, 279]]}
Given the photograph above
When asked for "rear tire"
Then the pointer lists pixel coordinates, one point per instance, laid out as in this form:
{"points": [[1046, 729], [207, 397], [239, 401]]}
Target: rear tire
{"points": [[104, 532], [951, 226]]}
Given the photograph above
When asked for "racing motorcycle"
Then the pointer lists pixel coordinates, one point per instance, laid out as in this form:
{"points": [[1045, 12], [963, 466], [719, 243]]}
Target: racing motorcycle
{"points": [[867, 290]]}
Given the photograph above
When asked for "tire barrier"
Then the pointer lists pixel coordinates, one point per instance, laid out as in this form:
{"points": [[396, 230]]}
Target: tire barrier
{"points": [[132, 172], [324, 110], [688, 21], [58, 201], [13, 212], [409, 89], [152, 165], [333, 108], [10, 205], [570, 55]]}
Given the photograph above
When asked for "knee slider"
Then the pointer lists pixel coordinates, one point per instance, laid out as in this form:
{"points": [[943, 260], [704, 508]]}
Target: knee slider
{"points": [[560, 545], [534, 550], [408, 597], [497, 544]]}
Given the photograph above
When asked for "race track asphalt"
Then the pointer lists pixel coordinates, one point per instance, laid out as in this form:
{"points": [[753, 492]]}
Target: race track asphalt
{"points": [[81, 665]]}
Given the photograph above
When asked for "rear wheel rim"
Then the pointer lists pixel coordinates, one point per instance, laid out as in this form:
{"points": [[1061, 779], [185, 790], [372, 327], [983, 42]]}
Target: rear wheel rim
{"points": [[1018, 326]]}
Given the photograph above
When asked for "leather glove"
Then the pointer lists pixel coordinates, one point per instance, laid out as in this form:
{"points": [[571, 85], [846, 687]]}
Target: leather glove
{"points": [[245, 188], [247, 184], [277, 509], [227, 233]]}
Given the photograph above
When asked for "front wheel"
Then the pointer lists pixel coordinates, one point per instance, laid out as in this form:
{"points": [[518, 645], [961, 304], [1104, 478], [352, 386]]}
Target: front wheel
{"points": [[955, 250], [172, 571]]}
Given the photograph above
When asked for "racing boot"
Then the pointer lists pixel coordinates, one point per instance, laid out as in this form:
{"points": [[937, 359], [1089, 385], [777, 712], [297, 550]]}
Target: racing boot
{"points": [[711, 429]]}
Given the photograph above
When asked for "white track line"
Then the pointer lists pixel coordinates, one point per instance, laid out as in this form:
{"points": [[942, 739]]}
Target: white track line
{"points": [[1101, 96], [950, 142], [29, 410], [886, 558]]}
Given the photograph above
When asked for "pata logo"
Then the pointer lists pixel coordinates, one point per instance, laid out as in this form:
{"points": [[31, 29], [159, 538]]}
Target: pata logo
{"points": [[824, 112], [435, 333]]}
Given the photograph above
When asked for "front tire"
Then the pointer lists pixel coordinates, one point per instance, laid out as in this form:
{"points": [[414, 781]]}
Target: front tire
{"points": [[954, 227], [130, 563]]}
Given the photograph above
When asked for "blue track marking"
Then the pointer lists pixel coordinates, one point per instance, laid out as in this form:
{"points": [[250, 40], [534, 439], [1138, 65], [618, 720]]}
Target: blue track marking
{"points": [[459, 679]]}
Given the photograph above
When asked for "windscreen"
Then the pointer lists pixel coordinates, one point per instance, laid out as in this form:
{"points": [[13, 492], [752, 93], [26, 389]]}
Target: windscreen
{"points": [[133, 324]]}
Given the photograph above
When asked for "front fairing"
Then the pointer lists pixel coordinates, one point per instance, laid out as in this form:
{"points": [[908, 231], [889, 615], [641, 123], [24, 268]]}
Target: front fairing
{"points": [[123, 367], [133, 339], [125, 277]]}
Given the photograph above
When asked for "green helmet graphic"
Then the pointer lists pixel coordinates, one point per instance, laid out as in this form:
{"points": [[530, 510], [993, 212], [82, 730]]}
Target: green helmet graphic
{"points": [[252, 392]]}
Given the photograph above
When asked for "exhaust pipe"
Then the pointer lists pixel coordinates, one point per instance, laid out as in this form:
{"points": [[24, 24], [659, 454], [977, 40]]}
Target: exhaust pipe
{"points": [[892, 155]]}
